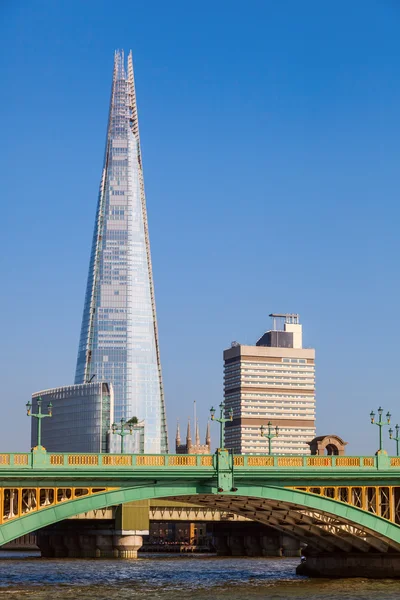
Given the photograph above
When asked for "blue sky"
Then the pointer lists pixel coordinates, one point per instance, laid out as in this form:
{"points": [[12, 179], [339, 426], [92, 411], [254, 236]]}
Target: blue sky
{"points": [[270, 135]]}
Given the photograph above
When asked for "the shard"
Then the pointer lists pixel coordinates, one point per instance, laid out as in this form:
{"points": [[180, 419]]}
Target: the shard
{"points": [[119, 340]]}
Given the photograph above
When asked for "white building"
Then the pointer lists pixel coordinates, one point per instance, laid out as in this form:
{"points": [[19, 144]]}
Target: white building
{"points": [[273, 381]]}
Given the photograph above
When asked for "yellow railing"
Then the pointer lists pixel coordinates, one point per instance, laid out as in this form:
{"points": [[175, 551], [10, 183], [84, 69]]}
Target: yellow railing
{"points": [[206, 461], [348, 461], [182, 461], [260, 461], [156, 460], [115, 460], [83, 459], [238, 461], [20, 459], [319, 461], [290, 461]]}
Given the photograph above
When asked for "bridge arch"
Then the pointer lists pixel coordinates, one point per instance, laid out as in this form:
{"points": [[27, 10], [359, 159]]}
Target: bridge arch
{"points": [[323, 523]]}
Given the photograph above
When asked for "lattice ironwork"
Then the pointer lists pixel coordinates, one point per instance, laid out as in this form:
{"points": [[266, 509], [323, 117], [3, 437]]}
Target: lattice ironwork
{"points": [[16, 502], [383, 501]]}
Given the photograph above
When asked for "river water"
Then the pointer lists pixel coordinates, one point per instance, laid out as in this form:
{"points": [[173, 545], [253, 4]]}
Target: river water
{"points": [[178, 578]]}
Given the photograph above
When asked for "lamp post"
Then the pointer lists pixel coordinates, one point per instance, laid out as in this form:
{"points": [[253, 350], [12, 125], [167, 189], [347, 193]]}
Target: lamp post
{"points": [[380, 424], [397, 438], [39, 416], [122, 432], [269, 435], [221, 421]]}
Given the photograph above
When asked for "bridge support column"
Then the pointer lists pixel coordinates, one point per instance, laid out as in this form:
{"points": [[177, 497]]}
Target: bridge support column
{"points": [[59, 548], [71, 541], [252, 545], [104, 546], [290, 546], [236, 545], [220, 543], [126, 545], [342, 564], [44, 545], [87, 544], [270, 545]]}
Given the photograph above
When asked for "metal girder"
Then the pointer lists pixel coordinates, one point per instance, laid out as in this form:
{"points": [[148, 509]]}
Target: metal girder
{"points": [[329, 517], [340, 532]]}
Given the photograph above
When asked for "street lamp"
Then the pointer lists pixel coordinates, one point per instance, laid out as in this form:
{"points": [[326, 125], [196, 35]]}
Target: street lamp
{"points": [[380, 424], [39, 416], [221, 421], [122, 432], [269, 435], [397, 438]]}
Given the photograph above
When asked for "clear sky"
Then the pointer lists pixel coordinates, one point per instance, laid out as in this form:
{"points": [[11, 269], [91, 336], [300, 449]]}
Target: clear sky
{"points": [[270, 135]]}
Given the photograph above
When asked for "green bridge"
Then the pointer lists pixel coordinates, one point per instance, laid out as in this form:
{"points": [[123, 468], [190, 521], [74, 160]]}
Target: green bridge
{"points": [[341, 506]]}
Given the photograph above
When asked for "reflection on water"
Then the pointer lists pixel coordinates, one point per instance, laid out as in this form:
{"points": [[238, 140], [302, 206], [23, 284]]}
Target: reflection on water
{"points": [[166, 578]]}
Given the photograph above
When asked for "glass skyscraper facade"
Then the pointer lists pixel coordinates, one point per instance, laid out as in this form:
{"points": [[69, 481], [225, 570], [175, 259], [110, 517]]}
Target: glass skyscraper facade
{"points": [[81, 418], [119, 340]]}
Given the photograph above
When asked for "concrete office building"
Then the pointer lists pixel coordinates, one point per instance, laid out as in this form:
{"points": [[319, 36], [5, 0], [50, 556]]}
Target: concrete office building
{"points": [[271, 381]]}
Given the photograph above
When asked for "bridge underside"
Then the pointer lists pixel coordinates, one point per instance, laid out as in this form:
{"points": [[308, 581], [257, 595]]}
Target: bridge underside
{"points": [[319, 529], [324, 524]]}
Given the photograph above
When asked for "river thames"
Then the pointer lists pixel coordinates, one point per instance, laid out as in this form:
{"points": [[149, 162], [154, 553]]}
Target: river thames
{"points": [[170, 578]]}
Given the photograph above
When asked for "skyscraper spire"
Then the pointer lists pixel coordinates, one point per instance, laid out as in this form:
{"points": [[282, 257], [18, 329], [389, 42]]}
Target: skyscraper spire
{"points": [[119, 337]]}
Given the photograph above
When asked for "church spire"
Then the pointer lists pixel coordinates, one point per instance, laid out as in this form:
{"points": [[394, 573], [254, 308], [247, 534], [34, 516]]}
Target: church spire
{"points": [[178, 435], [197, 434], [208, 436], [188, 435]]}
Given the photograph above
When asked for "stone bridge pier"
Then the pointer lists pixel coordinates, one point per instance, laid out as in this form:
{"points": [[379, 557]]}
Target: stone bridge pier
{"points": [[252, 539], [332, 565], [70, 542]]}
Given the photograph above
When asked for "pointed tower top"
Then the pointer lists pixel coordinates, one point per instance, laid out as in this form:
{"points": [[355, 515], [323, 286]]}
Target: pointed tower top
{"points": [[178, 434], [197, 434], [208, 435], [188, 435]]}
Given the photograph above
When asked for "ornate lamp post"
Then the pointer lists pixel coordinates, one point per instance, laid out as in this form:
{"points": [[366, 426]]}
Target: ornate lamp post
{"points": [[221, 421], [380, 424], [397, 438], [122, 432], [269, 435], [39, 416]]}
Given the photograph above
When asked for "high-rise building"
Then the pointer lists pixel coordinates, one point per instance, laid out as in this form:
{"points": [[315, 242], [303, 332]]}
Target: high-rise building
{"points": [[273, 381], [80, 419], [119, 340]]}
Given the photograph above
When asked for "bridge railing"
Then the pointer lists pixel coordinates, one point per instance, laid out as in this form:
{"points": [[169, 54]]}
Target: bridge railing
{"points": [[37, 459], [296, 461]]}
